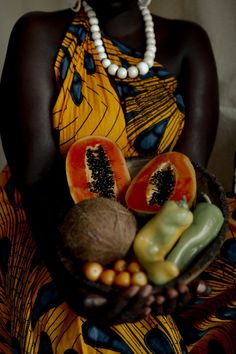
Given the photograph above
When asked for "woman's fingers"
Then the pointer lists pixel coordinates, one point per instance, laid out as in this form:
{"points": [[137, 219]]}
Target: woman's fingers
{"points": [[159, 304], [93, 300], [150, 300], [116, 308], [184, 295], [145, 291], [134, 304], [199, 288], [171, 299]]}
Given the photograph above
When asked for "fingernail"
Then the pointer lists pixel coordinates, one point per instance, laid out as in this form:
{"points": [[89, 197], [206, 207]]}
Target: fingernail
{"points": [[146, 291], [133, 290], [147, 311], [201, 288], [172, 293], [160, 300], [150, 300], [92, 302], [183, 288]]}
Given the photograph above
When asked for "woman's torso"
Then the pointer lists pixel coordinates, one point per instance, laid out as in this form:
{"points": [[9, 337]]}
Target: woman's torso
{"points": [[142, 115]]}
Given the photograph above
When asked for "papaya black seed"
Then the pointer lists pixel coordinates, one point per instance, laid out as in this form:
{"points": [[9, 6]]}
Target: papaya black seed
{"points": [[102, 182], [163, 182]]}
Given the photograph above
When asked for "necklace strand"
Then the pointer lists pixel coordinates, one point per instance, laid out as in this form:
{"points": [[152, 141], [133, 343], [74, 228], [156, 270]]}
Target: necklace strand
{"points": [[132, 71]]}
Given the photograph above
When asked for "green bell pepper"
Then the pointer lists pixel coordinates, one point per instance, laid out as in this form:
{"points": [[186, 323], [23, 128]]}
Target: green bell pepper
{"points": [[207, 222]]}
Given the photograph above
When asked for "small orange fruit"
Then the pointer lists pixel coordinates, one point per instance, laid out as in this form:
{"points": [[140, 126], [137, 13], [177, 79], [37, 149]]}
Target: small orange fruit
{"points": [[133, 267], [92, 270], [107, 276], [122, 279], [120, 265], [139, 278]]}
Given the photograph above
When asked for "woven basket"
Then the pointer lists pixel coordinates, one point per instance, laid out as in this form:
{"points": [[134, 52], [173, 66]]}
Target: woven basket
{"points": [[206, 184]]}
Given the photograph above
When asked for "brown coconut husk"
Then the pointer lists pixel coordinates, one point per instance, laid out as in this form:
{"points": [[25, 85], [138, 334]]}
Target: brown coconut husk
{"points": [[98, 230]]}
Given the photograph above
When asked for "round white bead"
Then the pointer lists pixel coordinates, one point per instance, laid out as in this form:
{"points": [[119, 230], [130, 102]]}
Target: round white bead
{"points": [[100, 49], [87, 7], [150, 35], [102, 56], [94, 28], [91, 13], [85, 4], [145, 11], [98, 42], [121, 73], [149, 56], [151, 47], [149, 53], [96, 35], [93, 21], [106, 62], [147, 17], [151, 41], [149, 29], [149, 61], [149, 23], [132, 72], [143, 68], [112, 69]]}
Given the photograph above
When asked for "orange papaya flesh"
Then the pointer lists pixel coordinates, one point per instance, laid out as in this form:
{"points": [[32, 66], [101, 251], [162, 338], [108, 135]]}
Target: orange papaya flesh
{"points": [[96, 167], [168, 176]]}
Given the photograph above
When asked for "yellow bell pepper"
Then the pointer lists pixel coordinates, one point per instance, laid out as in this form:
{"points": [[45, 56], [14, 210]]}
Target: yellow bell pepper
{"points": [[158, 236], [161, 272]]}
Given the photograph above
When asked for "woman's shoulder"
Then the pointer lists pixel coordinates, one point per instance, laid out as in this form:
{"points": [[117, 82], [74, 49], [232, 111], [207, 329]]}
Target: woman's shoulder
{"points": [[179, 26], [44, 18], [183, 32], [41, 26], [182, 39], [37, 36]]}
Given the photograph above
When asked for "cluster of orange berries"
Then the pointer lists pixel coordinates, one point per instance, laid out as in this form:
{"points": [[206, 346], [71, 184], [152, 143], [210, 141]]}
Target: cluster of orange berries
{"points": [[122, 274]]}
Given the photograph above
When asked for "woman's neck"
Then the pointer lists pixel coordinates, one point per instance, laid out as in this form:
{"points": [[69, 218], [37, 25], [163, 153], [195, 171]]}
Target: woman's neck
{"points": [[127, 27]]}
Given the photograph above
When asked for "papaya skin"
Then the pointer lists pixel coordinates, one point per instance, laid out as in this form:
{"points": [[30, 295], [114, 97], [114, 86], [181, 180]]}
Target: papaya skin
{"points": [[178, 179], [83, 183]]}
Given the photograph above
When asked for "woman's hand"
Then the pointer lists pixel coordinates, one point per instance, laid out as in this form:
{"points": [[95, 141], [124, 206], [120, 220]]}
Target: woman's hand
{"points": [[175, 299], [134, 303], [130, 305], [127, 305]]}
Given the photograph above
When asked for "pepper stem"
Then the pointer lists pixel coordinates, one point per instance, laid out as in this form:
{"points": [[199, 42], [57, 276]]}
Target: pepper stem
{"points": [[183, 203], [207, 198]]}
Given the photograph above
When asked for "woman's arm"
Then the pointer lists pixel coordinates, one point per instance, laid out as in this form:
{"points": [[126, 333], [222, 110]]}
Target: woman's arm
{"points": [[183, 47], [198, 84], [27, 95]]}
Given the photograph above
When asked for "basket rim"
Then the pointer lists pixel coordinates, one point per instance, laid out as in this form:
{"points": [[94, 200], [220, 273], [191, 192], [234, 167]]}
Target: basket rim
{"points": [[199, 265]]}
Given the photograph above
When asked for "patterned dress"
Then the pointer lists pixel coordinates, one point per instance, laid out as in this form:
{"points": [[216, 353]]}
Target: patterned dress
{"points": [[141, 115]]}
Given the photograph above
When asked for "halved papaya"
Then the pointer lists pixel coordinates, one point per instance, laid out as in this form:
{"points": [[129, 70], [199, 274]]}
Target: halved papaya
{"points": [[96, 167], [168, 175]]}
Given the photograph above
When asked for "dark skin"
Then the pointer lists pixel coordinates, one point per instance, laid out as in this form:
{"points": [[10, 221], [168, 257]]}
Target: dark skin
{"points": [[28, 93]]}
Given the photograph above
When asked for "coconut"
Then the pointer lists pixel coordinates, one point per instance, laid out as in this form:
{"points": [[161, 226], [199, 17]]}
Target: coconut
{"points": [[98, 230]]}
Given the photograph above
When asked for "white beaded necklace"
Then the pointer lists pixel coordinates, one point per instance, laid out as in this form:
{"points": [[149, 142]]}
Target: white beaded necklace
{"points": [[133, 71]]}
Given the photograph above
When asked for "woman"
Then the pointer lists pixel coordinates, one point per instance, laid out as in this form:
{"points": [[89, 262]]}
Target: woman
{"points": [[62, 91]]}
